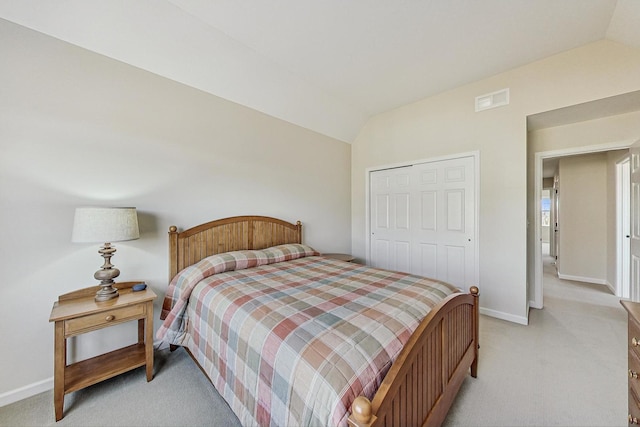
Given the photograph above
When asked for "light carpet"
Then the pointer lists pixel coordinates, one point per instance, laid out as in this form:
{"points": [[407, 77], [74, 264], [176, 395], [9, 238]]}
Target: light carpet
{"points": [[568, 367]]}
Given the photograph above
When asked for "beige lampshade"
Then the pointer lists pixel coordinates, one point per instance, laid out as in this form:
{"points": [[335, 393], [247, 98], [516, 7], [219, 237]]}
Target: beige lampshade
{"points": [[100, 225]]}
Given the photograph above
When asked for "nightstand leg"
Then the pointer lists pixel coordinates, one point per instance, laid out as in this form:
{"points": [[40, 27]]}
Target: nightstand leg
{"points": [[141, 331], [60, 363], [148, 329]]}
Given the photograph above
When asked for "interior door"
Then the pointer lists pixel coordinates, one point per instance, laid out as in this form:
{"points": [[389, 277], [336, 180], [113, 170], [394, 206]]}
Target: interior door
{"points": [[623, 228], [556, 223], [423, 220], [634, 243]]}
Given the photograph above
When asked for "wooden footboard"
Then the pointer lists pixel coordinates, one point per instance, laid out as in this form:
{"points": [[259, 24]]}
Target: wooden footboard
{"points": [[423, 382]]}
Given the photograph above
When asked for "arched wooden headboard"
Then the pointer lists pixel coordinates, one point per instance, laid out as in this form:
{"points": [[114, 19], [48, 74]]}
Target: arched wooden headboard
{"points": [[229, 234]]}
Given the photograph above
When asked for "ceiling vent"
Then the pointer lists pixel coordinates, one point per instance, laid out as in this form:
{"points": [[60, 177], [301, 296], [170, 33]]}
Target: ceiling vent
{"points": [[492, 100]]}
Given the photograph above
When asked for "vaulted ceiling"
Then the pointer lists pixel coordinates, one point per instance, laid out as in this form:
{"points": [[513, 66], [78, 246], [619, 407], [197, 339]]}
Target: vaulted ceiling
{"points": [[328, 65]]}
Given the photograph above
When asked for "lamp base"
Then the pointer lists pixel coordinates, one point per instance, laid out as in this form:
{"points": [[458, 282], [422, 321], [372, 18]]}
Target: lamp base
{"points": [[106, 293], [106, 275]]}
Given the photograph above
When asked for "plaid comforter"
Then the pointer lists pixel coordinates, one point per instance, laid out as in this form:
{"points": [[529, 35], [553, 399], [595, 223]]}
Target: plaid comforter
{"points": [[289, 338]]}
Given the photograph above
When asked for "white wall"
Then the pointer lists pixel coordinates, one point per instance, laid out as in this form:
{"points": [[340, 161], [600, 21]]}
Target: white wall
{"points": [[77, 128], [447, 124]]}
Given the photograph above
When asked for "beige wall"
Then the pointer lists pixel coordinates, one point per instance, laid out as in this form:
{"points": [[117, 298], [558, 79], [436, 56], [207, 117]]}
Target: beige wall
{"points": [[605, 130], [77, 128], [447, 124], [582, 218], [588, 217]]}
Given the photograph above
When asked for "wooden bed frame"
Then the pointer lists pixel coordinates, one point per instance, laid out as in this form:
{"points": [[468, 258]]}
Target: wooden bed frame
{"points": [[422, 383]]}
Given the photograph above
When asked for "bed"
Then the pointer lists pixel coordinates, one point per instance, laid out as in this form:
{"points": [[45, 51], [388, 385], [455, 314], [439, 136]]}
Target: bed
{"points": [[408, 379]]}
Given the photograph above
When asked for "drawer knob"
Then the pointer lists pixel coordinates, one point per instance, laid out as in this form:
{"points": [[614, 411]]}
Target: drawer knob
{"points": [[632, 419], [109, 318], [633, 374], [635, 342]]}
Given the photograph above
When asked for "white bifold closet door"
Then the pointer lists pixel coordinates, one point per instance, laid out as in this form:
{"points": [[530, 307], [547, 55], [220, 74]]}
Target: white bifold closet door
{"points": [[423, 220]]}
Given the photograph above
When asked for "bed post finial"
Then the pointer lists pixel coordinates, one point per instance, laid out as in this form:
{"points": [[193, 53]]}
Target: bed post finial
{"points": [[299, 232], [474, 290], [361, 413], [173, 252]]}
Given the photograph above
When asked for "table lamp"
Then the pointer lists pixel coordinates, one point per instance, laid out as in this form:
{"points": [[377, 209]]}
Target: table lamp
{"points": [[105, 225]]}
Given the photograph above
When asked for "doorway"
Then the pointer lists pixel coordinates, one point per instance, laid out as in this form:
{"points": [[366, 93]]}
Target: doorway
{"points": [[536, 296]]}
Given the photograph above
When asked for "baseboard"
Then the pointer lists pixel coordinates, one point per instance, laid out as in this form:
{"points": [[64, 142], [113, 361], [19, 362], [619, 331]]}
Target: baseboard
{"points": [[582, 279], [504, 316], [13, 396], [611, 288], [532, 304], [27, 391]]}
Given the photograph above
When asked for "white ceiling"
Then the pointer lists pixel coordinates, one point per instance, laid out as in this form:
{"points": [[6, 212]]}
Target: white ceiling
{"points": [[328, 65]]}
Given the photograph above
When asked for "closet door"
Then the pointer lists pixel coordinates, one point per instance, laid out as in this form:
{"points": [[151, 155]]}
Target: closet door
{"points": [[391, 206], [423, 220], [444, 221]]}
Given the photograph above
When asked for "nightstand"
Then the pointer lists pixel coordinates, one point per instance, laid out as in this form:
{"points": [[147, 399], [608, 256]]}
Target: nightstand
{"points": [[76, 313], [341, 257]]}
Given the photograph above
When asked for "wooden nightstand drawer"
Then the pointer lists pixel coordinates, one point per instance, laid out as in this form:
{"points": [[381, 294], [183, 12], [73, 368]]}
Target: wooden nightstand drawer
{"points": [[90, 322]]}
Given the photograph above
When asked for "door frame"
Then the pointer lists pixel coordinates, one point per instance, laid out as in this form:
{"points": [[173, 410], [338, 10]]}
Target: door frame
{"points": [[553, 250], [536, 297], [476, 210]]}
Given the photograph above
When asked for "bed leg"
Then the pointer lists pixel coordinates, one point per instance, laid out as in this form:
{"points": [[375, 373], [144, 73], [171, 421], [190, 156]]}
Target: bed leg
{"points": [[474, 368], [475, 292]]}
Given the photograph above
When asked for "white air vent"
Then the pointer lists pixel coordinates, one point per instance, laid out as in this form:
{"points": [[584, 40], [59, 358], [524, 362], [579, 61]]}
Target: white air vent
{"points": [[492, 100]]}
